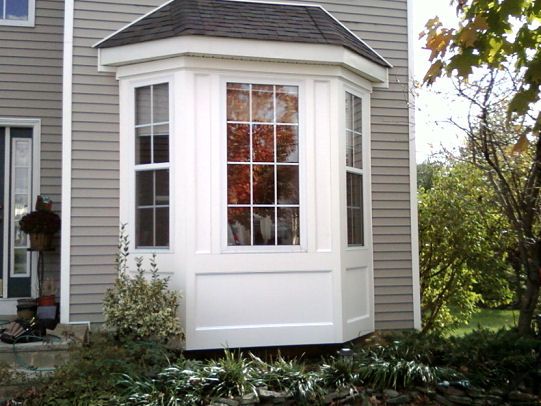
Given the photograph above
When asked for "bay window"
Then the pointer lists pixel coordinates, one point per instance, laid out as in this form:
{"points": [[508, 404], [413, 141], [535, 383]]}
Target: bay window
{"points": [[263, 165], [354, 170], [152, 166]]}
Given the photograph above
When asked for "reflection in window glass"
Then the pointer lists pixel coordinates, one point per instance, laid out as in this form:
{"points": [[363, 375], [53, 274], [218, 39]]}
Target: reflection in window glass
{"points": [[14, 10], [152, 166], [263, 165]]}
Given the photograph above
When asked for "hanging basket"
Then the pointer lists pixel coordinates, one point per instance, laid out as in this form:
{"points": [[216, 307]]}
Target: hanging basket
{"points": [[40, 242]]}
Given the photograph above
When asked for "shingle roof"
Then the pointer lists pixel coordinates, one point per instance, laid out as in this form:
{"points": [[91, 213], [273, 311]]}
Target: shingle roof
{"points": [[246, 20]]}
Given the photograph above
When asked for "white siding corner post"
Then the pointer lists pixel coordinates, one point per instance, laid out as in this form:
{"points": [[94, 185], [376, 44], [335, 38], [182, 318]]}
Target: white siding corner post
{"points": [[413, 179], [65, 245]]}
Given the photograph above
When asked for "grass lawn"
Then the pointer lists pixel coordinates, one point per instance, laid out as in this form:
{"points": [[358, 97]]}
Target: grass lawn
{"points": [[490, 319]]}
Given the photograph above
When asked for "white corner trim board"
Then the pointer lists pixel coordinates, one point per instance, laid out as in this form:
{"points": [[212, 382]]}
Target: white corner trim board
{"points": [[413, 181], [246, 49], [65, 251]]}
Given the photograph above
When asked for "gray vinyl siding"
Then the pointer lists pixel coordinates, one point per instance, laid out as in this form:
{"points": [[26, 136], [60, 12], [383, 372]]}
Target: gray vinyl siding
{"points": [[31, 87], [382, 24]]}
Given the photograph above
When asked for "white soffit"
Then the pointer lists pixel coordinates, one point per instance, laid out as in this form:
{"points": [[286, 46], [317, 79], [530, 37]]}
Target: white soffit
{"points": [[242, 49]]}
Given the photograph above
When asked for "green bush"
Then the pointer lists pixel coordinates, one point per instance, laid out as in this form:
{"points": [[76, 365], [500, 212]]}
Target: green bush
{"points": [[91, 374], [138, 306]]}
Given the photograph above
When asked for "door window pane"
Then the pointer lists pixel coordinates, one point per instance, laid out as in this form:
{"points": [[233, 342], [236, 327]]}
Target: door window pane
{"points": [[260, 188]]}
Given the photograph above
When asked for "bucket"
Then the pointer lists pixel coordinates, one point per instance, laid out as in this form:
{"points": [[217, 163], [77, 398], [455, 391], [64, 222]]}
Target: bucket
{"points": [[26, 308]]}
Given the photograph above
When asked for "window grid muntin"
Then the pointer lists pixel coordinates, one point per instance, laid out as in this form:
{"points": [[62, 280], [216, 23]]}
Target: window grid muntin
{"points": [[153, 167], [354, 170], [251, 163]]}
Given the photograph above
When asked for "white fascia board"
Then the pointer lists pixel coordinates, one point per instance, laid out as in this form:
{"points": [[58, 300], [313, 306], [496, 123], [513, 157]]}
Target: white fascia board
{"points": [[245, 49]]}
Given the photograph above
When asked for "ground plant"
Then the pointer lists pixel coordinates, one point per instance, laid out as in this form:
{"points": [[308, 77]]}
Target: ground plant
{"points": [[136, 373]]}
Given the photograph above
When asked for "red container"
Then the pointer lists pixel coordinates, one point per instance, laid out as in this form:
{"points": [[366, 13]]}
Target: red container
{"points": [[46, 300]]}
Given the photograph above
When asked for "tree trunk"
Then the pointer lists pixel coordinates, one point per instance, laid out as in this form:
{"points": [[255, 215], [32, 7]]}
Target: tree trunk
{"points": [[530, 295]]}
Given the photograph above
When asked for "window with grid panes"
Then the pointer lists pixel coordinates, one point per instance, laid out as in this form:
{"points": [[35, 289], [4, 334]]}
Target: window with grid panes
{"points": [[152, 166], [263, 206], [354, 170]]}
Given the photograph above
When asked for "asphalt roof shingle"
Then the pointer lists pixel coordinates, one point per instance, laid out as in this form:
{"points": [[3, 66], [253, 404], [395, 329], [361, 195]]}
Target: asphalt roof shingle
{"points": [[243, 20]]}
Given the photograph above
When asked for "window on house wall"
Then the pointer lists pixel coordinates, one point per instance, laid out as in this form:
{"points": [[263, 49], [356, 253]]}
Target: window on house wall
{"points": [[17, 12], [354, 170], [152, 166], [263, 206]]}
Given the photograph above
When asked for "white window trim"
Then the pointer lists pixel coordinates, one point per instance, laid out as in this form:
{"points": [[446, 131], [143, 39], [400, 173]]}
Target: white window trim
{"points": [[30, 22], [129, 167], [366, 172], [303, 234], [35, 124]]}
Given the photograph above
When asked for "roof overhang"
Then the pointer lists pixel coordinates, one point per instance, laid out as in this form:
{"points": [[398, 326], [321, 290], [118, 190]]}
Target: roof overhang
{"points": [[242, 49]]}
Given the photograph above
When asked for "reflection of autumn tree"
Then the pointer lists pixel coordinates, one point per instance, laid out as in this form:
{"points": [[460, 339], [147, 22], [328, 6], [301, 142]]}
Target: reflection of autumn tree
{"points": [[271, 143]]}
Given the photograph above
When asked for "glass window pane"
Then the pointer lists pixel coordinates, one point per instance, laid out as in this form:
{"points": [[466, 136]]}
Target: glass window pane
{"points": [[288, 226], [161, 148], [161, 103], [263, 140], [238, 184], [287, 104], [162, 187], [142, 105], [22, 153], [349, 148], [355, 209], [238, 220], [144, 185], [263, 184], [357, 151], [22, 180], [1, 17], [238, 102], [288, 184], [287, 143], [264, 226], [142, 146], [20, 260], [238, 142], [349, 111], [162, 227], [17, 10], [144, 231], [263, 103], [357, 114]]}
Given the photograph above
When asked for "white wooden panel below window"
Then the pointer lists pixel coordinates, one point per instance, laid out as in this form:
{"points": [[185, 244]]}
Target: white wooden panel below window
{"points": [[356, 298], [264, 308]]}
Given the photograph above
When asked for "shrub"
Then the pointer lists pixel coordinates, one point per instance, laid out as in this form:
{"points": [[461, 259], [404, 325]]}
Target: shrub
{"points": [[91, 374], [138, 306]]}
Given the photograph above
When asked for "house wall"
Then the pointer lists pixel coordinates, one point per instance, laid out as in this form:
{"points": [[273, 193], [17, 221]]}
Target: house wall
{"points": [[31, 87], [95, 152]]}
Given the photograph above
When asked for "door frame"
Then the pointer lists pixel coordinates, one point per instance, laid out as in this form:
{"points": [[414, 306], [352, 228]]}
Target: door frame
{"points": [[8, 305]]}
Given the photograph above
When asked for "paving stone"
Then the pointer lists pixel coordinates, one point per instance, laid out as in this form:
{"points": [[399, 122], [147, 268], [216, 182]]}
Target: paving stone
{"points": [[391, 393], [399, 400], [461, 400], [442, 400]]}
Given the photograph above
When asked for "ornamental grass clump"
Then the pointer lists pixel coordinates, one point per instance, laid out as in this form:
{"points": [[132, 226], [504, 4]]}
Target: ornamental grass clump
{"points": [[141, 306]]}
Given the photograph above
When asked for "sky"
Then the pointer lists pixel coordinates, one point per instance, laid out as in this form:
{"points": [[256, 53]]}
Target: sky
{"points": [[433, 107]]}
